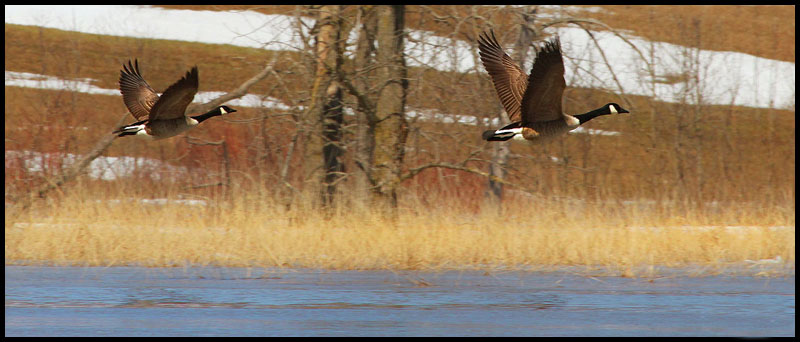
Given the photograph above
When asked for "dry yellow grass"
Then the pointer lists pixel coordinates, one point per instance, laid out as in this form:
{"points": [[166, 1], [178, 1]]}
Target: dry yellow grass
{"points": [[252, 231]]}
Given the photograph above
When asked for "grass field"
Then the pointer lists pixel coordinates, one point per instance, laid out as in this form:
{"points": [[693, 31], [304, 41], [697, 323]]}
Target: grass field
{"points": [[682, 185], [527, 234]]}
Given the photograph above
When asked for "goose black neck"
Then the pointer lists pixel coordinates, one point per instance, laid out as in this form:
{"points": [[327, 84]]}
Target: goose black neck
{"points": [[202, 117], [592, 114]]}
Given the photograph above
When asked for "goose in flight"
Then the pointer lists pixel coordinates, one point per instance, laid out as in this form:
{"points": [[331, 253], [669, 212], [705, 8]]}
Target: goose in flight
{"points": [[160, 116], [533, 103]]}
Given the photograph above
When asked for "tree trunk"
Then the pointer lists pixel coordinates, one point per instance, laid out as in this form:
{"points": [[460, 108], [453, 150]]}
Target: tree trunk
{"points": [[365, 114], [326, 116], [390, 127]]}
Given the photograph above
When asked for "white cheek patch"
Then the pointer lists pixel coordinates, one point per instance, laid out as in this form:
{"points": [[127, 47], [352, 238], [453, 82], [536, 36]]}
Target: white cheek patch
{"points": [[193, 122], [222, 111], [573, 121], [612, 109]]}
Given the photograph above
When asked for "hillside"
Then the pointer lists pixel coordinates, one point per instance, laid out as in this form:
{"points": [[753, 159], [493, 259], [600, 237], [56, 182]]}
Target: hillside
{"points": [[72, 55]]}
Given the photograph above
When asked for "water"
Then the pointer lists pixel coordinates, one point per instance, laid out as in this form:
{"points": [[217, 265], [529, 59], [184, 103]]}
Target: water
{"points": [[132, 301]]}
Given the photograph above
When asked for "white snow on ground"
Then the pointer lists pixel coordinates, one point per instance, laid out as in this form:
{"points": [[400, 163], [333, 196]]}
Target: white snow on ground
{"points": [[105, 168], [30, 80], [240, 28], [722, 77]]}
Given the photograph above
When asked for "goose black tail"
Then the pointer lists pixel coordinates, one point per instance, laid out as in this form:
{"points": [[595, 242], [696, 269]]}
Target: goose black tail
{"points": [[122, 134]]}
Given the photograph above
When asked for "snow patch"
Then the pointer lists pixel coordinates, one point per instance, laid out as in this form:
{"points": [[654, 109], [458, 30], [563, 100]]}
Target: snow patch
{"points": [[713, 77]]}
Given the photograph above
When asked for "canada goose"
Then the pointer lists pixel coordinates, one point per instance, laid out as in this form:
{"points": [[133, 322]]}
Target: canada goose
{"points": [[161, 117], [533, 103]]}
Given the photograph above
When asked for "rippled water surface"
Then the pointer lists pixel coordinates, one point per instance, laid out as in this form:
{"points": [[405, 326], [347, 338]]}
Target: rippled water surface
{"points": [[132, 301]]}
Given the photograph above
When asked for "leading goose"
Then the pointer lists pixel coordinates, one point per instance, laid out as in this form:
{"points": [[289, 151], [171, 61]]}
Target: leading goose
{"points": [[533, 103], [161, 117]]}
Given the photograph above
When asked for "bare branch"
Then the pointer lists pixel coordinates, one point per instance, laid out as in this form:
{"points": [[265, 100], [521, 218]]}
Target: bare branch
{"points": [[236, 93]]}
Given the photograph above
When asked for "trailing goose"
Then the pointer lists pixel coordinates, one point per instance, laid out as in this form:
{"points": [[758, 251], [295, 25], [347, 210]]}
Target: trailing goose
{"points": [[161, 117], [533, 103]]}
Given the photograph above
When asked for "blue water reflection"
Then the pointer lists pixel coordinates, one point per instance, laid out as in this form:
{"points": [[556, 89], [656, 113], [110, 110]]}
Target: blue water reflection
{"points": [[131, 301]]}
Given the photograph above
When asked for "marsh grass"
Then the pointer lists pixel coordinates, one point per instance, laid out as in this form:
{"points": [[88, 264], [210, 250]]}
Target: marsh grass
{"points": [[254, 230]]}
